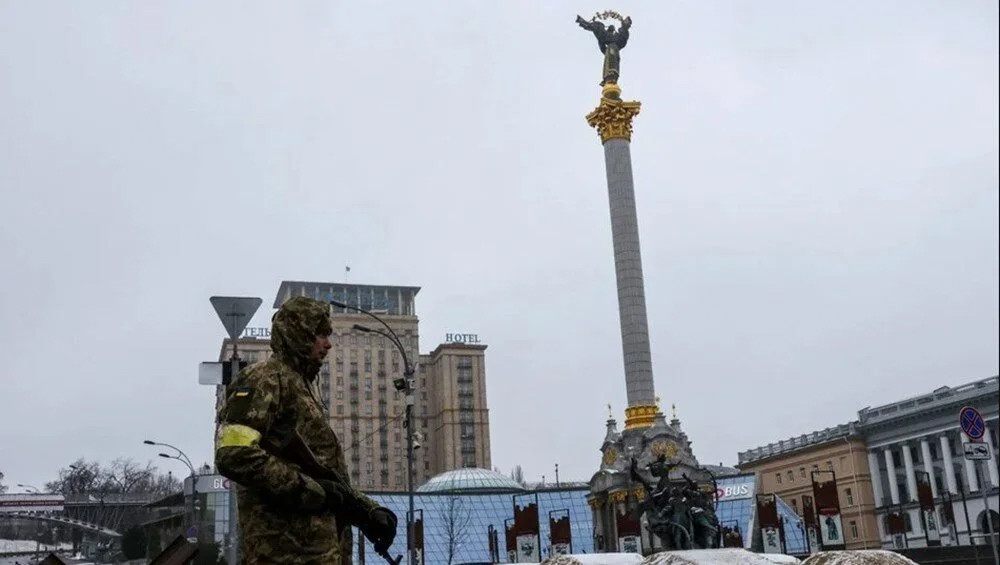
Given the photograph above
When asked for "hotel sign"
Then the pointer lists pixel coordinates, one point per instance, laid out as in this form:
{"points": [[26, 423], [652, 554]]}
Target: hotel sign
{"points": [[461, 338], [257, 333]]}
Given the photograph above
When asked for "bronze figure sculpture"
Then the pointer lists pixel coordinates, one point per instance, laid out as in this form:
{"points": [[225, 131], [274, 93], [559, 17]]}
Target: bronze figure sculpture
{"points": [[610, 41]]}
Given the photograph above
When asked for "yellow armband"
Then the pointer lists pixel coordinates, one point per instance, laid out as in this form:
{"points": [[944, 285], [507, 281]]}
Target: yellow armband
{"points": [[237, 435]]}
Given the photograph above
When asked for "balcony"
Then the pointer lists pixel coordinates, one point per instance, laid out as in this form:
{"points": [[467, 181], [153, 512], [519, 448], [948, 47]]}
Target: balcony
{"points": [[465, 394]]}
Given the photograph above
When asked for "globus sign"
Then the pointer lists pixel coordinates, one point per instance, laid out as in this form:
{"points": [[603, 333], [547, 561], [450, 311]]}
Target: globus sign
{"points": [[207, 483]]}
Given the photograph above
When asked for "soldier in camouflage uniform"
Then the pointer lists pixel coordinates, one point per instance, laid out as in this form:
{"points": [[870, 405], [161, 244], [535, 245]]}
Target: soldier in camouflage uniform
{"points": [[286, 516]]}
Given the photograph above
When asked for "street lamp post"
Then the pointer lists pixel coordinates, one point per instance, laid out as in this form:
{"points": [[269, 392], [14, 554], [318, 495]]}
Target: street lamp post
{"points": [[183, 458], [404, 385]]}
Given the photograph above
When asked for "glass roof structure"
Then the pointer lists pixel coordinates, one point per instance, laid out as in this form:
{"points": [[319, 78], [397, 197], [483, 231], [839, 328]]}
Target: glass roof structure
{"points": [[471, 480], [458, 508], [460, 522]]}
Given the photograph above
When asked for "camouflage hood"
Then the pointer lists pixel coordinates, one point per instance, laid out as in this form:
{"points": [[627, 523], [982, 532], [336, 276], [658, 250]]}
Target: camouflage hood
{"points": [[294, 328]]}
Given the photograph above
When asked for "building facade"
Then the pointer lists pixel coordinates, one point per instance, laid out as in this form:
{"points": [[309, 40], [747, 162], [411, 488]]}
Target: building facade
{"points": [[355, 385], [920, 438], [881, 460], [454, 415], [786, 468]]}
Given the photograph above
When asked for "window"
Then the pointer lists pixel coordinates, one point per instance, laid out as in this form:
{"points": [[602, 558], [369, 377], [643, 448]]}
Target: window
{"points": [[802, 472], [843, 463], [934, 454], [854, 529], [815, 467], [340, 382], [340, 409], [777, 478], [829, 465], [795, 505], [849, 496], [791, 476]]}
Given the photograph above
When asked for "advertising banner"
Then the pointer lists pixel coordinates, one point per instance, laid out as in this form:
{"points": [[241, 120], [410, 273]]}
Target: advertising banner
{"points": [[559, 532], [511, 539], [526, 528], [926, 497], [31, 502], [767, 520], [629, 531], [831, 528], [809, 518]]}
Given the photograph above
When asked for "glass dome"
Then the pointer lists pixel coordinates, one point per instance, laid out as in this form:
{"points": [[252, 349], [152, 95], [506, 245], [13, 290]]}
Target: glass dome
{"points": [[470, 480]]}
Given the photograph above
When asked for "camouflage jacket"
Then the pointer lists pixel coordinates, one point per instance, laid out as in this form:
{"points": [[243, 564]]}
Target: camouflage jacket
{"points": [[282, 514]]}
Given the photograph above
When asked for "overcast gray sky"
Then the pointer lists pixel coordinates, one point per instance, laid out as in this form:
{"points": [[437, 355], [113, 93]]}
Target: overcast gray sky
{"points": [[817, 189]]}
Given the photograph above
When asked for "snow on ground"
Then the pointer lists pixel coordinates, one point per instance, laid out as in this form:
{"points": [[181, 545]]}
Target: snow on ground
{"points": [[11, 545], [860, 557], [728, 556], [595, 559]]}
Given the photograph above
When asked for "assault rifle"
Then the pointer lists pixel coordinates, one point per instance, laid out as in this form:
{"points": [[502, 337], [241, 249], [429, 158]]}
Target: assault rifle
{"points": [[293, 448]]}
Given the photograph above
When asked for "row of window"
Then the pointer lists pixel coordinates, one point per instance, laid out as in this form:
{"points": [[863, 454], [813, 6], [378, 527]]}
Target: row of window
{"points": [[804, 475]]}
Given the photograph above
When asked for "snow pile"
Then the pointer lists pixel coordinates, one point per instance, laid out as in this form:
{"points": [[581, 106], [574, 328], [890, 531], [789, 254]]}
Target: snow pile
{"points": [[860, 557], [728, 556], [595, 559]]}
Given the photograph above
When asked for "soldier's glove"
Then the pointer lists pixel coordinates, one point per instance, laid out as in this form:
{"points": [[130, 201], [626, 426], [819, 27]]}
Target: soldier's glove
{"points": [[336, 494], [380, 528]]}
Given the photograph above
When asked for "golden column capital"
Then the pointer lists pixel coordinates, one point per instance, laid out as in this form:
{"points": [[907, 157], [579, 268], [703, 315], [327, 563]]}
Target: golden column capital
{"points": [[613, 116]]}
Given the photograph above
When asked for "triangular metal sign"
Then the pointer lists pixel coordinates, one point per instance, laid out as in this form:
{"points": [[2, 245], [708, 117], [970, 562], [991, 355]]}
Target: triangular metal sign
{"points": [[235, 312]]}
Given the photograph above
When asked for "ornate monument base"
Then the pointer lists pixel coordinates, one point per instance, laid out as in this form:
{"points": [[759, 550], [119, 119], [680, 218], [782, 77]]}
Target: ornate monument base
{"points": [[648, 482]]}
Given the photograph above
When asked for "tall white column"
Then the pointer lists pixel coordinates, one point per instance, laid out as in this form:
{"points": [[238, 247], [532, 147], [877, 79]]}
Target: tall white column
{"points": [[991, 465], [876, 478], [949, 466], [925, 452], [613, 120], [890, 470], [911, 476], [970, 468]]}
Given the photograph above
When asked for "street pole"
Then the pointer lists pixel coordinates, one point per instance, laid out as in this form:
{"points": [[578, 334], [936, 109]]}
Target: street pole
{"points": [[986, 512], [183, 458], [232, 552], [406, 387]]}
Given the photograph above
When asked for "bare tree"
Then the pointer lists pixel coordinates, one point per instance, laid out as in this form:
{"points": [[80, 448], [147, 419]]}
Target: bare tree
{"points": [[456, 525], [79, 477], [3, 487], [517, 474], [120, 477]]}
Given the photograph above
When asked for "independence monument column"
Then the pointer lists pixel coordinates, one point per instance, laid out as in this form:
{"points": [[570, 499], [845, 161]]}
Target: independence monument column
{"points": [[613, 120]]}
